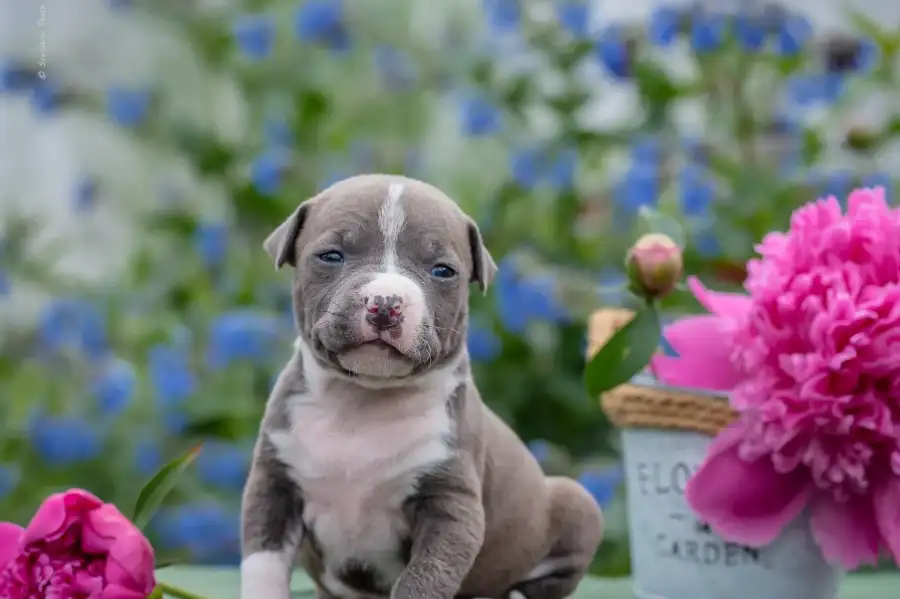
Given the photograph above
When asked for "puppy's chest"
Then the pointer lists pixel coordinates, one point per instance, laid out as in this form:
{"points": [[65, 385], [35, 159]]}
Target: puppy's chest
{"points": [[357, 464]]}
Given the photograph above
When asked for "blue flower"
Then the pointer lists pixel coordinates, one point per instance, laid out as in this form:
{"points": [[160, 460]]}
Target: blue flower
{"points": [[211, 243], [483, 344], [697, 191], [65, 440], [322, 21], [531, 165], [562, 169], [243, 335], [278, 133], [254, 35], [665, 25], [170, 374], [396, 67], [174, 421], [114, 386], [540, 449], [127, 107], [603, 484], [612, 286], [866, 56], [794, 32], [523, 300], [813, 88], [646, 152], [574, 17], [706, 243], [5, 283], [206, 529], [69, 323], [223, 466], [707, 31], [612, 51], [46, 96], [267, 171], [502, 15], [880, 180], [480, 117], [525, 167], [639, 187], [836, 183], [15, 77], [10, 476], [148, 457], [750, 31], [85, 193]]}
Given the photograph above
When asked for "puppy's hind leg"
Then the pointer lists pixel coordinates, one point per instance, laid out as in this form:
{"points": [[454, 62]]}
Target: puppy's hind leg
{"points": [[577, 529]]}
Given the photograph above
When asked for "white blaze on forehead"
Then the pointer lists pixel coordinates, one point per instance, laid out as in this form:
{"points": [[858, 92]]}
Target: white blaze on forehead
{"points": [[391, 220]]}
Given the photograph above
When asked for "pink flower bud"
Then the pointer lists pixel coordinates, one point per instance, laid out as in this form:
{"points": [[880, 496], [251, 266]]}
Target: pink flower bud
{"points": [[654, 265]]}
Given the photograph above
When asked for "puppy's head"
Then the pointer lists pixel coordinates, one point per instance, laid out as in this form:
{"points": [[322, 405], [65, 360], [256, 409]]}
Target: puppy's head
{"points": [[383, 265]]}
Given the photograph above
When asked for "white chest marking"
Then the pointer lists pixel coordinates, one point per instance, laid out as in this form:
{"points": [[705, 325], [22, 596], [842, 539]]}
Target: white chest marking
{"points": [[391, 219], [357, 458]]}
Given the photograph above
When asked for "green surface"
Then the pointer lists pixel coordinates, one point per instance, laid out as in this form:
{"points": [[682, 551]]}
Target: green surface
{"points": [[223, 583]]}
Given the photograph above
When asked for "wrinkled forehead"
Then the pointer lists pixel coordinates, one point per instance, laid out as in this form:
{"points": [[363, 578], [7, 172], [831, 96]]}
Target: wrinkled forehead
{"points": [[397, 214]]}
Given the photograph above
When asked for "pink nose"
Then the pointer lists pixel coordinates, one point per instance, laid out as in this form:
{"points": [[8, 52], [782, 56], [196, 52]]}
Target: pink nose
{"points": [[384, 313]]}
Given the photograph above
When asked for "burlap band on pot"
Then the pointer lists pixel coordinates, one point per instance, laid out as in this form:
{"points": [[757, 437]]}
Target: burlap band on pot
{"points": [[646, 406]]}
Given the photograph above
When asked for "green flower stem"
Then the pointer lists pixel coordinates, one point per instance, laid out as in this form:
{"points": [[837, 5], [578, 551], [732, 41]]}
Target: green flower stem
{"points": [[170, 591]]}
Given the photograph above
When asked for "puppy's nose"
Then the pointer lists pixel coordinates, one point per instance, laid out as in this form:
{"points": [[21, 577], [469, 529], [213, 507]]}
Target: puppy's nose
{"points": [[384, 313]]}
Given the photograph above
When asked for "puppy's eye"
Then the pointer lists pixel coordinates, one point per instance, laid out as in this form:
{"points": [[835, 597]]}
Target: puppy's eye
{"points": [[331, 257], [442, 271]]}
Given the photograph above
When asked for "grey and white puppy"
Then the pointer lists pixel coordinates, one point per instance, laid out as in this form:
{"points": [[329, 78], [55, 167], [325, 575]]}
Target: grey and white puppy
{"points": [[378, 465]]}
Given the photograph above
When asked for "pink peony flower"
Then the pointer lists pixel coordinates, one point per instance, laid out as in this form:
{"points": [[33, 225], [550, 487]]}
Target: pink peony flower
{"points": [[813, 368], [76, 547]]}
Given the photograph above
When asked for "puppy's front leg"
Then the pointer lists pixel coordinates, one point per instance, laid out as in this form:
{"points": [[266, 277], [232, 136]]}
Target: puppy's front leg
{"points": [[272, 527], [447, 532]]}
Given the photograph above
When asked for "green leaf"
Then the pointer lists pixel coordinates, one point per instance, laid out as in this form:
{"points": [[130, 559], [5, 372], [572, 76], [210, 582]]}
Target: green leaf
{"points": [[162, 483], [625, 354]]}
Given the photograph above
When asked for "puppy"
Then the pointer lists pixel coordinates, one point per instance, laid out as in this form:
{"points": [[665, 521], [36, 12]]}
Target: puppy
{"points": [[378, 466]]}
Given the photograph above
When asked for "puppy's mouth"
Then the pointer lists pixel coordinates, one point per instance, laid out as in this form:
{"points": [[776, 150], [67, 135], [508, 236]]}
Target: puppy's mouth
{"points": [[382, 345], [375, 359]]}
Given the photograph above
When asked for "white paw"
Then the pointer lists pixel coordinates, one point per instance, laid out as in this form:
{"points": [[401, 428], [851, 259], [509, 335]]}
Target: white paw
{"points": [[266, 575]]}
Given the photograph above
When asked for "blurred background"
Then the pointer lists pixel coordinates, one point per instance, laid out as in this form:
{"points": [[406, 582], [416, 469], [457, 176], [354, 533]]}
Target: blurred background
{"points": [[148, 147]]}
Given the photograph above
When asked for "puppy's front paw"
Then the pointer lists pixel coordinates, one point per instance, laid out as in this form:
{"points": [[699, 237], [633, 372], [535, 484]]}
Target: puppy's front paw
{"points": [[412, 588], [265, 576]]}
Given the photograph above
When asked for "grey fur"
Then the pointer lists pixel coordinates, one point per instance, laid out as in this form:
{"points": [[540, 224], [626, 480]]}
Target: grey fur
{"points": [[481, 521]]}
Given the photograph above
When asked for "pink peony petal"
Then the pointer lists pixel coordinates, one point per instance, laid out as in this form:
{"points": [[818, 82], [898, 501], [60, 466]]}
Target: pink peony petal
{"points": [[745, 502], [115, 591], [703, 355], [886, 504], [727, 305], [102, 527], [130, 562], [57, 513], [10, 542], [846, 532]]}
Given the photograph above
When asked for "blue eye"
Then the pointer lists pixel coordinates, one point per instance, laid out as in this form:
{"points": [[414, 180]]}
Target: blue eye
{"points": [[442, 271], [332, 257]]}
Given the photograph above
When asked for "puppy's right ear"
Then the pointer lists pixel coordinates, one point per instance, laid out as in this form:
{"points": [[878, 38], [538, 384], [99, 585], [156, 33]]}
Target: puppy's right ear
{"points": [[281, 244]]}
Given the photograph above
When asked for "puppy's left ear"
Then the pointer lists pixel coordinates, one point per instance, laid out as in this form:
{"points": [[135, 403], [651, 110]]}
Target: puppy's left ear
{"points": [[483, 266], [281, 244]]}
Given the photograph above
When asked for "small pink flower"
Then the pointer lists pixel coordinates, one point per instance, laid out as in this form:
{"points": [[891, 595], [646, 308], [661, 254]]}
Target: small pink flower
{"points": [[812, 363], [76, 547]]}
